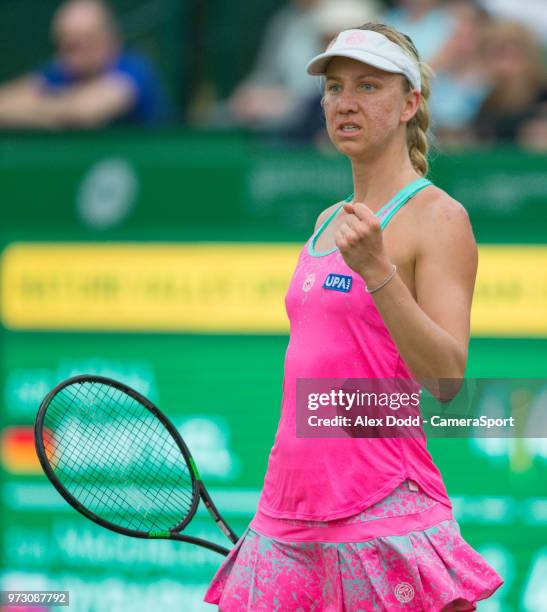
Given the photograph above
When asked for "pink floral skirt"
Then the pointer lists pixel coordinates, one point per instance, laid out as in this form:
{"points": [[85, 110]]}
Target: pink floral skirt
{"points": [[422, 570]]}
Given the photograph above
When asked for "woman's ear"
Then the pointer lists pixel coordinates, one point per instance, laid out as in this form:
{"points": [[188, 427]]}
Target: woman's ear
{"points": [[410, 105]]}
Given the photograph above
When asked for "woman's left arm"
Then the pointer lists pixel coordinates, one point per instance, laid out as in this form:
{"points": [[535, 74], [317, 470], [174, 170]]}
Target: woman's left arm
{"points": [[432, 331]]}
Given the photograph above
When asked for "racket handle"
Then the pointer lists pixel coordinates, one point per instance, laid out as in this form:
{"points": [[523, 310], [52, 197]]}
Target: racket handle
{"points": [[222, 525], [226, 530]]}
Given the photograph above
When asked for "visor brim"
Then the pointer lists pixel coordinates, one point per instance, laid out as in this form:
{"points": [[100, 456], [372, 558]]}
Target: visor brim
{"points": [[318, 64]]}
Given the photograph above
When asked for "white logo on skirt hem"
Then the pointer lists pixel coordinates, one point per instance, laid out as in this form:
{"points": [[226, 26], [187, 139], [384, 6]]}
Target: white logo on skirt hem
{"points": [[404, 592]]}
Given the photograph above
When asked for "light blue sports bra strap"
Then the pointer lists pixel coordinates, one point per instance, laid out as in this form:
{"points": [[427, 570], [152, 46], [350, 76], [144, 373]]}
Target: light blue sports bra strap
{"points": [[386, 213], [329, 219], [320, 230], [397, 201]]}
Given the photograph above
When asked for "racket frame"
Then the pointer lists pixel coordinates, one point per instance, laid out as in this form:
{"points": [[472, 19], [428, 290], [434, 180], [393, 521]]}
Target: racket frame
{"points": [[198, 488]]}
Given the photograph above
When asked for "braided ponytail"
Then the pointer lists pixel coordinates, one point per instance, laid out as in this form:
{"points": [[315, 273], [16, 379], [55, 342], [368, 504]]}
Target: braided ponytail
{"points": [[417, 127], [416, 132]]}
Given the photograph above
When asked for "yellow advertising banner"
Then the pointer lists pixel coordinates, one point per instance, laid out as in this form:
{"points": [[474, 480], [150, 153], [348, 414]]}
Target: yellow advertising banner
{"points": [[221, 287], [511, 291], [205, 287]]}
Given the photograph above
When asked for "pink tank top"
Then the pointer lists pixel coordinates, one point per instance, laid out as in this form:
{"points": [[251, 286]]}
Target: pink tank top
{"points": [[339, 334]]}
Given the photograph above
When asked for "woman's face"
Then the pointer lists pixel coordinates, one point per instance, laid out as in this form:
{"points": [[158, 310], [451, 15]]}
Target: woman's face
{"points": [[365, 107]]}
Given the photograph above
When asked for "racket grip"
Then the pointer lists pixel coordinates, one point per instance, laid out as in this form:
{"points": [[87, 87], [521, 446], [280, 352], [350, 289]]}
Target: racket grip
{"points": [[224, 528], [229, 533]]}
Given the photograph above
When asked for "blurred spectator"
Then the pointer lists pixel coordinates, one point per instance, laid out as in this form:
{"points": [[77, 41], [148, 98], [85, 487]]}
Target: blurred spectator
{"points": [[428, 23], [515, 109], [459, 86], [91, 83], [532, 13], [329, 17], [271, 96]]}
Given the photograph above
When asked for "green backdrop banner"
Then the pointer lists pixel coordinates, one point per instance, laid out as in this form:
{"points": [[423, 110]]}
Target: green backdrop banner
{"points": [[223, 391], [192, 186]]}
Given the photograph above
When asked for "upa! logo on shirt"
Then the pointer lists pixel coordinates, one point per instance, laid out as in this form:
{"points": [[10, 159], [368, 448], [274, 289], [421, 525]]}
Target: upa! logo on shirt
{"points": [[338, 282]]}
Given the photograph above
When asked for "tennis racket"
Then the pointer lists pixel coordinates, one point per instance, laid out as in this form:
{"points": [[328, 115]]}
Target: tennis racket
{"points": [[120, 462]]}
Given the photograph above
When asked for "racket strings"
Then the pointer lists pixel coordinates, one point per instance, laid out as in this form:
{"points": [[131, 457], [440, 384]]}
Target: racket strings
{"points": [[166, 442], [138, 499], [116, 457]]}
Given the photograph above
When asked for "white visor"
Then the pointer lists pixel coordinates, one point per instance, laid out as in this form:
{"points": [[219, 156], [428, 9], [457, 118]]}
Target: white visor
{"points": [[370, 48]]}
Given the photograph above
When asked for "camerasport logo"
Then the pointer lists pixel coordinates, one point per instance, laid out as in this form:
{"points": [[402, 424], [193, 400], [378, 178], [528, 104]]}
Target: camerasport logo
{"points": [[308, 283], [404, 592]]}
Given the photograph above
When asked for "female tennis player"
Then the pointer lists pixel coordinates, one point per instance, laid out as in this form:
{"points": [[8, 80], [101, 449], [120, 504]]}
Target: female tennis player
{"points": [[366, 523]]}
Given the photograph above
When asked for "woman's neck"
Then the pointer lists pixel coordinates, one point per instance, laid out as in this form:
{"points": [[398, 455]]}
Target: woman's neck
{"points": [[377, 179]]}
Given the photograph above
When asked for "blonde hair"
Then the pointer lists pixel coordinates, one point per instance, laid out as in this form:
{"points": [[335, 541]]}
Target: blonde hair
{"points": [[418, 126]]}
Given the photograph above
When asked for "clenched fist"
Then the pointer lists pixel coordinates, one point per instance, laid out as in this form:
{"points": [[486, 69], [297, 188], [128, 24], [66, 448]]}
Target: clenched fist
{"points": [[361, 244]]}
